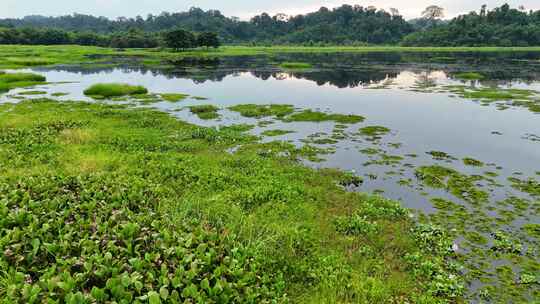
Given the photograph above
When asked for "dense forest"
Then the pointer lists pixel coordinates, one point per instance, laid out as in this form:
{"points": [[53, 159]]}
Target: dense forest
{"points": [[502, 26], [344, 25]]}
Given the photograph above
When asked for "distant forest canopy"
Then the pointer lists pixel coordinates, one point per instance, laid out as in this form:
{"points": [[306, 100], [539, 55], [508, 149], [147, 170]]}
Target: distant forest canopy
{"points": [[344, 25]]}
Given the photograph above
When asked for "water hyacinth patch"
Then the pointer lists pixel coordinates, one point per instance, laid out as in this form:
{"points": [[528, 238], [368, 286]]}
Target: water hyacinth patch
{"points": [[103, 203]]}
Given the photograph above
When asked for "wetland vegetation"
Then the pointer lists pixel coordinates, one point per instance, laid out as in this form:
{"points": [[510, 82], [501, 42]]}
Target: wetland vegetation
{"points": [[308, 172], [204, 192], [103, 203]]}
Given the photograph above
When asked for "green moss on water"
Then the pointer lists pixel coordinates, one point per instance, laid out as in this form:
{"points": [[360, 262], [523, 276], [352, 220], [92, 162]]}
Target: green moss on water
{"points": [[439, 155], [260, 111], [205, 112], [491, 174], [472, 162], [272, 133], [173, 97], [314, 116], [458, 184], [530, 186], [494, 94], [108, 90], [532, 229], [385, 160], [374, 131], [324, 141], [371, 151]]}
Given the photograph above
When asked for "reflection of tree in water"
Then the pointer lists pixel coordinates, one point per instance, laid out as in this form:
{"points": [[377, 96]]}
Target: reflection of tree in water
{"points": [[341, 70], [337, 78], [425, 80]]}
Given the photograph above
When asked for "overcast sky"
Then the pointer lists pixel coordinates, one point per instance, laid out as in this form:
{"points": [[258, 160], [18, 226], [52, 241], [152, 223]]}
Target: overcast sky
{"points": [[240, 8]]}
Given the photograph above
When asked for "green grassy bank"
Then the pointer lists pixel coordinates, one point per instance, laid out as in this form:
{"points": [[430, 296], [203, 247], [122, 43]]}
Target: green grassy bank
{"points": [[15, 56]]}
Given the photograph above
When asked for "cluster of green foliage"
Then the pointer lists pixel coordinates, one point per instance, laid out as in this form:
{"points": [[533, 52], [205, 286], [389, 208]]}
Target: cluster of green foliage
{"points": [[103, 203], [182, 39], [178, 39], [502, 26], [107, 90]]}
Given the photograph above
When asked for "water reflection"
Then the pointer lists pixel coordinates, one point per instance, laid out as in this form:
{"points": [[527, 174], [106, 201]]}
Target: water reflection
{"points": [[341, 71]]}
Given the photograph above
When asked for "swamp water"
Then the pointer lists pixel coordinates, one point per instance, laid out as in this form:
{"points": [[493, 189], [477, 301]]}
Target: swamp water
{"points": [[454, 136]]}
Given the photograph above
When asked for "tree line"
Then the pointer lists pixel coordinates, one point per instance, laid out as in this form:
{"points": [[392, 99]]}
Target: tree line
{"points": [[344, 25], [176, 38]]}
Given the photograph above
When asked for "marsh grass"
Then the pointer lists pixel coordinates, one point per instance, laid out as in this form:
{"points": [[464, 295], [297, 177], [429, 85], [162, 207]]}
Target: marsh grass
{"points": [[108, 90], [10, 81]]}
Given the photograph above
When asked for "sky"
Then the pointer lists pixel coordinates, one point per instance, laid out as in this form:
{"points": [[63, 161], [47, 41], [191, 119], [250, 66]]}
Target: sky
{"points": [[239, 8]]}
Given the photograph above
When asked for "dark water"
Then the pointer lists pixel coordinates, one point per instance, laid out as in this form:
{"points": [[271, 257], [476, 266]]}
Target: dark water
{"points": [[384, 88]]}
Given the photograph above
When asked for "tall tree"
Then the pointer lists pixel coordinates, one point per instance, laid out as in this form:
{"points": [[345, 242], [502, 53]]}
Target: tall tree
{"points": [[433, 12], [179, 39], [208, 39]]}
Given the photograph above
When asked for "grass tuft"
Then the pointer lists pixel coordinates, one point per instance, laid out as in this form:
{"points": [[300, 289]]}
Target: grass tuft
{"points": [[107, 90]]}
